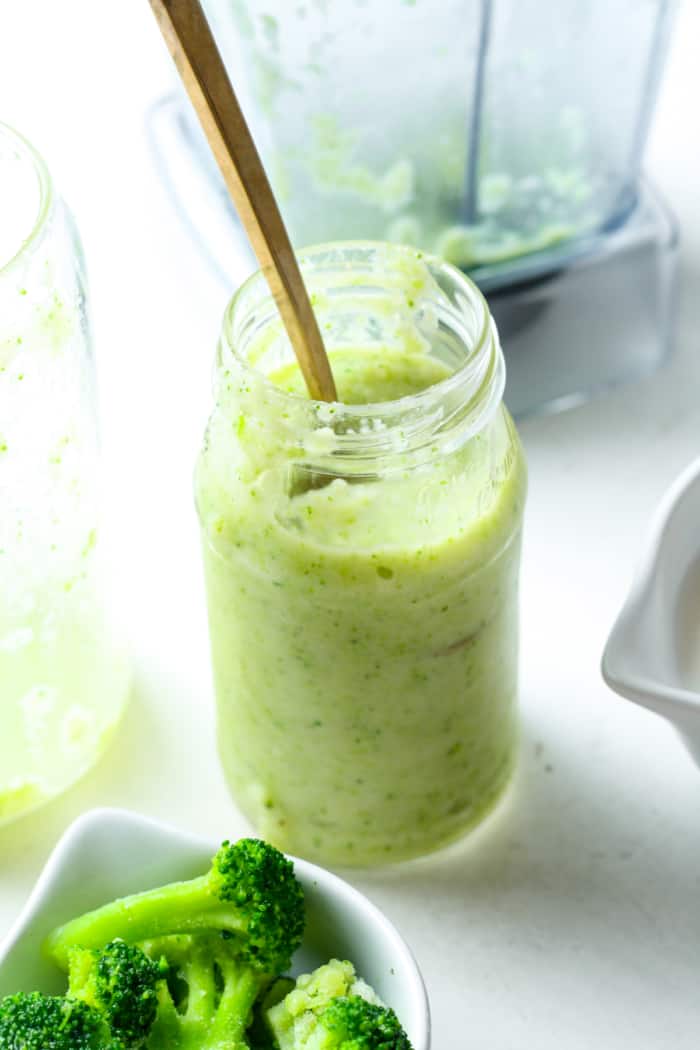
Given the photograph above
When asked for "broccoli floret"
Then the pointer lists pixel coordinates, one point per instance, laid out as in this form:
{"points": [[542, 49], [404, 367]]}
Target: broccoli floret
{"points": [[208, 999], [351, 1023], [295, 1015], [333, 1009], [32, 1021], [121, 982], [250, 892]]}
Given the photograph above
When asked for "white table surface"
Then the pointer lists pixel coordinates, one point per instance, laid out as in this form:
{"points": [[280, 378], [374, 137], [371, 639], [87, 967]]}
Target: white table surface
{"points": [[573, 918]]}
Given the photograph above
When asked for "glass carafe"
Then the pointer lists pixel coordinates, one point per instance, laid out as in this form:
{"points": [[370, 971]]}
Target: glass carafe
{"points": [[63, 678]]}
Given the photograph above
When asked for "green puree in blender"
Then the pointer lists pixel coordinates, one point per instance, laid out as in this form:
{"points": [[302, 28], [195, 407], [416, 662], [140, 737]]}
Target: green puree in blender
{"points": [[365, 678]]}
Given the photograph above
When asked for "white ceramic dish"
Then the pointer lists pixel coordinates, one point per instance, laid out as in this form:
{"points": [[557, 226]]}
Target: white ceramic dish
{"points": [[110, 853], [644, 656]]}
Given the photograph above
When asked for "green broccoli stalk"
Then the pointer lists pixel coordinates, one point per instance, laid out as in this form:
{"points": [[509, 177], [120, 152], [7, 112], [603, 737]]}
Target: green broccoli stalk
{"points": [[258, 1034], [32, 1021], [250, 892], [121, 982], [208, 1000], [333, 1009]]}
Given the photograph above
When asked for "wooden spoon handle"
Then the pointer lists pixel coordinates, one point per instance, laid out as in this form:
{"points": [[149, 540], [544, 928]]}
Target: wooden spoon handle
{"points": [[192, 46]]}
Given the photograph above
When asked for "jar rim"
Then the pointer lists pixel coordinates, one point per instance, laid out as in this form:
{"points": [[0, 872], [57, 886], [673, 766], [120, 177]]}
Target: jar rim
{"points": [[32, 239], [470, 373]]}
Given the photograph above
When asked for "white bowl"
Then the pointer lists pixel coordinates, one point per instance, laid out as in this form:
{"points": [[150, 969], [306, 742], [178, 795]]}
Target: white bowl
{"points": [[110, 853], [644, 656]]}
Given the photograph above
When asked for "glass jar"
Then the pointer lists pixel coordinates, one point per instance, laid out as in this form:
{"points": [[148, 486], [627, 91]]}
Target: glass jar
{"points": [[362, 559], [62, 681]]}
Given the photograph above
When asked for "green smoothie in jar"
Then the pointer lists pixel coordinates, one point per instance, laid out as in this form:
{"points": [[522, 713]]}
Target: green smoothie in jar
{"points": [[361, 561]]}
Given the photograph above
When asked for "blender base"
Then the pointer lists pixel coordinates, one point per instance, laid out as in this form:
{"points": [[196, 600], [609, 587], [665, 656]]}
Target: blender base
{"points": [[604, 318]]}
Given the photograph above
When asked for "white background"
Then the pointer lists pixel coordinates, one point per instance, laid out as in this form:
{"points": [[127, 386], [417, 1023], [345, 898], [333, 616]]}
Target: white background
{"points": [[573, 918]]}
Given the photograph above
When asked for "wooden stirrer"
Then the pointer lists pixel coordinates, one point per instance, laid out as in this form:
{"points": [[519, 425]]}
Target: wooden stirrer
{"points": [[190, 42]]}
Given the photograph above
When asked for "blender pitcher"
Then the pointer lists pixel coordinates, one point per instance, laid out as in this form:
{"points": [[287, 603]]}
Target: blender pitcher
{"points": [[481, 130], [506, 136]]}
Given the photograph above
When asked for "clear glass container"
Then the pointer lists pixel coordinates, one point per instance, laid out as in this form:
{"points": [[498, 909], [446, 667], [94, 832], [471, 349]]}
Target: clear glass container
{"points": [[63, 681], [361, 561], [482, 130]]}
